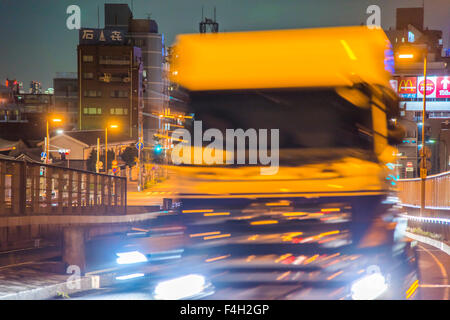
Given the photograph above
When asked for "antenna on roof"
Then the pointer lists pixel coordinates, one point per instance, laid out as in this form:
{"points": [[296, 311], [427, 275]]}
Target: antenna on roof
{"points": [[207, 24]]}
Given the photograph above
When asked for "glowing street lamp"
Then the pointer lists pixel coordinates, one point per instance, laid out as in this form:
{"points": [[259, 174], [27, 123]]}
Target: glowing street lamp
{"points": [[423, 169], [406, 56], [47, 146], [112, 126]]}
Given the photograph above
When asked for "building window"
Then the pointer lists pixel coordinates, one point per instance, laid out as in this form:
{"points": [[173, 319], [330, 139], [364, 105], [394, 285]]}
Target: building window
{"points": [[92, 110], [88, 58], [119, 94], [119, 111], [92, 93], [114, 60], [138, 42], [88, 75]]}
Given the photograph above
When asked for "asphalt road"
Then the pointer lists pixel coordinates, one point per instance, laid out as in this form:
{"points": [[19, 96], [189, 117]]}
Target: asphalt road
{"points": [[434, 268]]}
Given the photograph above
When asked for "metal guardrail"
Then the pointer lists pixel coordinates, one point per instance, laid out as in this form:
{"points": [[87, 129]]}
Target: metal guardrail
{"points": [[437, 192], [35, 189], [436, 219]]}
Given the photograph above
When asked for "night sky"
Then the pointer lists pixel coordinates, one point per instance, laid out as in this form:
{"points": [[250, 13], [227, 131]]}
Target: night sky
{"points": [[35, 43]]}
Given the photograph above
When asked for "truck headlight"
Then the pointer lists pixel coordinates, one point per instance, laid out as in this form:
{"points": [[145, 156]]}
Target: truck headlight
{"points": [[369, 287], [180, 288], [130, 257]]}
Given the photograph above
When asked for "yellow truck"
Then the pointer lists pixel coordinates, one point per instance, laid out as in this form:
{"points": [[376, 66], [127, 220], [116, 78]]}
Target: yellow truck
{"points": [[281, 178]]}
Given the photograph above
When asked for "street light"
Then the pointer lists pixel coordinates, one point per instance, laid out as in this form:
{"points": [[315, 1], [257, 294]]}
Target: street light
{"points": [[112, 126], [47, 147], [423, 169]]}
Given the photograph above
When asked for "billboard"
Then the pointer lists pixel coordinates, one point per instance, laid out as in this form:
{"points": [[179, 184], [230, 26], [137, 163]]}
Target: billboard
{"points": [[430, 87], [443, 87], [101, 36], [407, 87]]}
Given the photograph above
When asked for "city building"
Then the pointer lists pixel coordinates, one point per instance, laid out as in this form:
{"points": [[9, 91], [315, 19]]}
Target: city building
{"points": [[411, 35], [110, 82], [65, 97], [151, 96], [75, 147], [143, 33], [23, 115]]}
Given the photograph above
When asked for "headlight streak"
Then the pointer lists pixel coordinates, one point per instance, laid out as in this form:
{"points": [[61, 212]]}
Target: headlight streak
{"points": [[216, 214], [130, 276], [369, 287], [217, 258], [217, 237], [204, 234], [197, 211], [180, 288], [263, 222], [280, 203], [334, 275], [130, 257]]}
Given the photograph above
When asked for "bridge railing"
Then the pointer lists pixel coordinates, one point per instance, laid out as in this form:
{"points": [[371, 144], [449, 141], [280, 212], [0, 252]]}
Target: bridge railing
{"points": [[35, 189], [437, 191], [436, 217]]}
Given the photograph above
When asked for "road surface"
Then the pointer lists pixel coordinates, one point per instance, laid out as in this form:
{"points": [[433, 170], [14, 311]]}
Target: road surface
{"points": [[434, 268]]}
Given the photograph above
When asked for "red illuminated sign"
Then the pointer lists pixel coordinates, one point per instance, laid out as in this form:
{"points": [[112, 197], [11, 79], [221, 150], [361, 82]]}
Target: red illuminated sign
{"points": [[430, 87], [407, 85], [443, 87]]}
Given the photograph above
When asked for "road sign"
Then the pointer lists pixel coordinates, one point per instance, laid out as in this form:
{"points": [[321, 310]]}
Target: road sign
{"points": [[114, 162], [427, 152], [140, 145], [114, 170], [409, 169], [100, 165], [43, 154]]}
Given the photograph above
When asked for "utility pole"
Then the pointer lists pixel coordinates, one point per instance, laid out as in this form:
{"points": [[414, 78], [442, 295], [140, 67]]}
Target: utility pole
{"points": [[106, 150], [423, 169], [97, 164]]}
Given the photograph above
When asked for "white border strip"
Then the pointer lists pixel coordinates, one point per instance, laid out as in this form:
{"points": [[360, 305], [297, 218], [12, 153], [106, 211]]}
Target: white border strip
{"points": [[438, 244], [427, 219], [76, 219]]}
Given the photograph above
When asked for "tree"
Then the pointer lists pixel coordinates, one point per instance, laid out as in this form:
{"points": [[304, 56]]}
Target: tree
{"points": [[129, 155], [93, 159]]}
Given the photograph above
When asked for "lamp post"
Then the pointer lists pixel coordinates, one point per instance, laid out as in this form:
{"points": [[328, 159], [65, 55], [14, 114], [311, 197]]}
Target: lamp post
{"points": [[112, 126], [423, 169], [97, 167], [47, 145]]}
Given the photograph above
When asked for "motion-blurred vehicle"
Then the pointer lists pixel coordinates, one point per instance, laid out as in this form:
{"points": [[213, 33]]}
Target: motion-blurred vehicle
{"points": [[324, 226]]}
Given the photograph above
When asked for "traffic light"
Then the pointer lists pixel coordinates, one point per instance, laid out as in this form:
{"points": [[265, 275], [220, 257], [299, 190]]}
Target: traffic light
{"points": [[158, 149]]}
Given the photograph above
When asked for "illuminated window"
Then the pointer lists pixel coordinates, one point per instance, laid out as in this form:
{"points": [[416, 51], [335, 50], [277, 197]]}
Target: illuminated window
{"points": [[92, 110], [92, 93], [119, 94], [119, 111], [88, 75], [88, 58]]}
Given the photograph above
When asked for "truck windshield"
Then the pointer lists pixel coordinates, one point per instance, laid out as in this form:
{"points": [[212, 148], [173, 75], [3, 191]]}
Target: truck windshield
{"points": [[314, 119]]}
